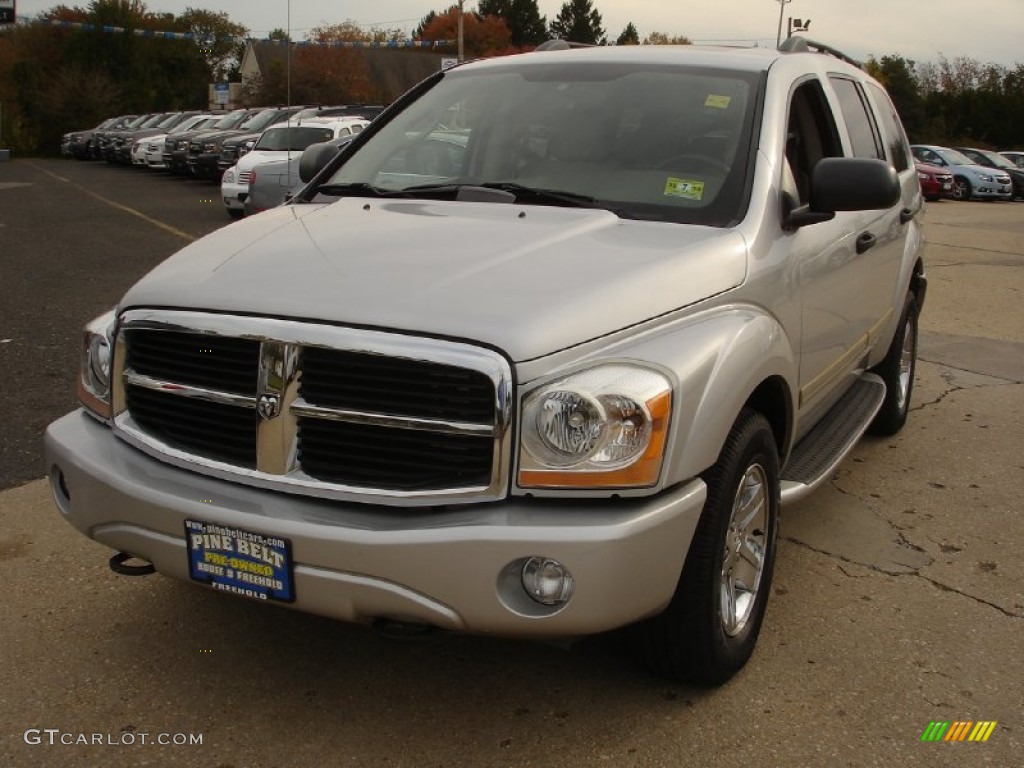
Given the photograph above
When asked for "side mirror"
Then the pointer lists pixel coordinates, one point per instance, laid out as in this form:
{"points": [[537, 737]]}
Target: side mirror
{"points": [[314, 159], [853, 184], [846, 184]]}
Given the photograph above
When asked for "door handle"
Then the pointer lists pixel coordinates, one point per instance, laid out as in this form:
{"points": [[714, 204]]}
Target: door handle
{"points": [[865, 242], [906, 215]]}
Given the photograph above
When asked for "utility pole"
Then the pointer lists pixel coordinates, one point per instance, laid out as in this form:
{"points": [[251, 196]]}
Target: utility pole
{"points": [[460, 30], [782, 6]]}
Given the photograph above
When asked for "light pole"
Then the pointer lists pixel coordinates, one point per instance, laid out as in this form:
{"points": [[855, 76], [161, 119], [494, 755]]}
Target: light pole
{"points": [[460, 29], [782, 6]]}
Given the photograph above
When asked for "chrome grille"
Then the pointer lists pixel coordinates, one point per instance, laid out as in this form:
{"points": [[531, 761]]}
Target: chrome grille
{"points": [[244, 177], [315, 409]]}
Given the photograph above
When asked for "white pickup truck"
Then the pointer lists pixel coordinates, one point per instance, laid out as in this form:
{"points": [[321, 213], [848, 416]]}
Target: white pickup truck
{"points": [[540, 353]]}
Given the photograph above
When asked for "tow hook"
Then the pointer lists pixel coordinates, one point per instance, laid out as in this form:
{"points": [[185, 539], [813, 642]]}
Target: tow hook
{"points": [[119, 564]]}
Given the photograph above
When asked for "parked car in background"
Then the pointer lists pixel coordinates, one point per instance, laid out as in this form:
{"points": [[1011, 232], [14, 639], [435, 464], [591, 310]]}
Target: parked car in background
{"points": [[970, 180], [273, 182], [204, 157], [74, 143], [1015, 157], [107, 139], [84, 143], [234, 147], [278, 141], [998, 163], [176, 151], [153, 149], [936, 182]]}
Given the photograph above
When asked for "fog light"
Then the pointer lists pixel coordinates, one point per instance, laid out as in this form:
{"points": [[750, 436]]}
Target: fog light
{"points": [[547, 581]]}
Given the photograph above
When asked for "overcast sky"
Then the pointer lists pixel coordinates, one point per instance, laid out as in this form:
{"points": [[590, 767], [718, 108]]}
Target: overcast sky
{"points": [[986, 30]]}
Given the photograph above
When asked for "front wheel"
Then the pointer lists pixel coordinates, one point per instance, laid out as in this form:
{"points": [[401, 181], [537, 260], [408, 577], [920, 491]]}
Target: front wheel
{"points": [[710, 627], [897, 371], [961, 189]]}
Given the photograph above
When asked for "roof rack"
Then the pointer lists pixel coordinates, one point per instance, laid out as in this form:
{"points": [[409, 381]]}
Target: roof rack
{"points": [[557, 44], [798, 44]]}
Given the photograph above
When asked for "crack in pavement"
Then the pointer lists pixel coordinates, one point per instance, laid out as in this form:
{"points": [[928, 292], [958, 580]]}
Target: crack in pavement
{"points": [[913, 573]]}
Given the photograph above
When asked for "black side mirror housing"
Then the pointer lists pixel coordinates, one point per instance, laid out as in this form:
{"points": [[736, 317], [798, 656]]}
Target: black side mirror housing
{"points": [[846, 184], [314, 159]]}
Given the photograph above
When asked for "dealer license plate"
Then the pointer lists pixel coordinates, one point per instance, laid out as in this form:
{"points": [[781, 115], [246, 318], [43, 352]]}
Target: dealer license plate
{"points": [[240, 562]]}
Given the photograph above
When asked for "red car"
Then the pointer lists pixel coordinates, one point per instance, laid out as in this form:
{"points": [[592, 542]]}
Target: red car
{"points": [[936, 182]]}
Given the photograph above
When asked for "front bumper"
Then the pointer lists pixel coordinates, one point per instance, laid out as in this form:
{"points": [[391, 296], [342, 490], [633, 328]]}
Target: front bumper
{"points": [[234, 194], [448, 567], [204, 166]]}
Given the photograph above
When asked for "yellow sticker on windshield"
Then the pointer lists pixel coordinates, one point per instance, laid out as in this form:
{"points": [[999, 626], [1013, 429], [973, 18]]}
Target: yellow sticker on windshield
{"points": [[718, 102], [685, 188]]}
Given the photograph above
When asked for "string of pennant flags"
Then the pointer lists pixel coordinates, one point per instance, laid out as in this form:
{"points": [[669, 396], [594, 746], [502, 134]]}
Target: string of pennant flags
{"points": [[192, 36]]}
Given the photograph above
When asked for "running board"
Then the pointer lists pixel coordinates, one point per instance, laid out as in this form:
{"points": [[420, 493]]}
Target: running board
{"points": [[817, 455]]}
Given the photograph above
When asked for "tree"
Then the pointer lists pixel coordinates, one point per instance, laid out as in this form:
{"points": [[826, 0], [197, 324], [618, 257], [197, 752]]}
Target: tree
{"points": [[217, 38], [897, 75], [488, 36], [629, 36], [579, 22], [526, 25], [660, 38]]}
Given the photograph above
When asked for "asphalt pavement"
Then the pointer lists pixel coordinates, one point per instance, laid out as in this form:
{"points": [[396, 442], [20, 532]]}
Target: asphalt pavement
{"points": [[898, 598]]}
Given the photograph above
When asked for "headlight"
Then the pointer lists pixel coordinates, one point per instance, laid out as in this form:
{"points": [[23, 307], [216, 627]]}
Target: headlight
{"points": [[229, 176], [209, 147], [183, 145], [984, 177], [97, 360], [922, 176], [601, 428]]}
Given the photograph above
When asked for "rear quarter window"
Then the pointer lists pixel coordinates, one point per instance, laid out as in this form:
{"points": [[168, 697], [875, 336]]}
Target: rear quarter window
{"points": [[896, 144], [860, 125]]}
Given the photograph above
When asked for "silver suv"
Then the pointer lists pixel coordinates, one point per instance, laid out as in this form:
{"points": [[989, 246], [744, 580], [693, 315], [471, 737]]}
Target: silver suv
{"points": [[539, 354]]}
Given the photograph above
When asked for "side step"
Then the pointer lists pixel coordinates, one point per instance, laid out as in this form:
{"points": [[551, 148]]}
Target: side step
{"points": [[817, 455]]}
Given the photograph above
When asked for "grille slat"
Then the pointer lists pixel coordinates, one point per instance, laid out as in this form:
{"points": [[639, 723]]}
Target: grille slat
{"points": [[352, 455], [358, 454], [216, 431], [201, 360], [362, 381]]}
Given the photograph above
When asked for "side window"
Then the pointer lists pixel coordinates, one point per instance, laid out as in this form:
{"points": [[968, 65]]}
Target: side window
{"points": [[859, 124], [896, 139], [810, 135]]}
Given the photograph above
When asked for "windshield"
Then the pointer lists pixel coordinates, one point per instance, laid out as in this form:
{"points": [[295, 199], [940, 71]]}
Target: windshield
{"points": [[999, 161], [152, 121], [260, 120], [953, 157], [171, 121], [283, 138], [645, 141], [231, 119]]}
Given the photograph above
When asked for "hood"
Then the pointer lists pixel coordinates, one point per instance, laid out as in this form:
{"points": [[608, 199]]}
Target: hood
{"points": [[529, 280]]}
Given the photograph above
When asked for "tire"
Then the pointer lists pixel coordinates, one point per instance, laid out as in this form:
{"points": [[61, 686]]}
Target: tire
{"points": [[962, 189], [709, 629], [897, 371], [235, 213]]}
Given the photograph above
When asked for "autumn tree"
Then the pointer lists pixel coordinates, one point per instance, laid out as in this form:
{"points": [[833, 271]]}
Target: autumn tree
{"points": [[660, 38], [525, 24], [487, 36], [579, 22]]}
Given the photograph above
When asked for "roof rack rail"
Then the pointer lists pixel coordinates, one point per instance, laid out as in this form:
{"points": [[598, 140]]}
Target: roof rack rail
{"points": [[798, 44], [557, 44]]}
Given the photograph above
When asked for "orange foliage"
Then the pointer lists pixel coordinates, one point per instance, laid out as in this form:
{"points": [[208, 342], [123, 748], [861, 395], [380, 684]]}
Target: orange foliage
{"points": [[489, 36]]}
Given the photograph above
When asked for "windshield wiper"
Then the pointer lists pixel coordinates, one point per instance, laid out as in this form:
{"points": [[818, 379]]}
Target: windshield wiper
{"points": [[542, 196], [359, 189]]}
